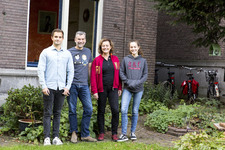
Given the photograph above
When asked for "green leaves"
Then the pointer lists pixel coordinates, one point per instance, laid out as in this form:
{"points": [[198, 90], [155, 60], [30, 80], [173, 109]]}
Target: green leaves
{"points": [[194, 141], [204, 16]]}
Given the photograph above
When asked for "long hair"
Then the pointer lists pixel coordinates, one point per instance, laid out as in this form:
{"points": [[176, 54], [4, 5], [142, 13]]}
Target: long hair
{"points": [[140, 52], [100, 46]]}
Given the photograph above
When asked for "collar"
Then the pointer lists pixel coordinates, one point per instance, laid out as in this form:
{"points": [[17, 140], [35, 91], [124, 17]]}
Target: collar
{"points": [[53, 48]]}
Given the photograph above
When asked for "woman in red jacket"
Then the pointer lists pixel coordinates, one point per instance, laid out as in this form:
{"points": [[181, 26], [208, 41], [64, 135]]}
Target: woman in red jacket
{"points": [[105, 83]]}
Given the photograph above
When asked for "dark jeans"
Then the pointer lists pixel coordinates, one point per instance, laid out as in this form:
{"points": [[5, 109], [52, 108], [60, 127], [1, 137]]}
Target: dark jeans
{"points": [[112, 95], [55, 100]]}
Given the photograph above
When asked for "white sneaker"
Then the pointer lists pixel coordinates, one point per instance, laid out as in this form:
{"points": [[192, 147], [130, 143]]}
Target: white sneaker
{"points": [[56, 141], [133, 136], [47, 141]]}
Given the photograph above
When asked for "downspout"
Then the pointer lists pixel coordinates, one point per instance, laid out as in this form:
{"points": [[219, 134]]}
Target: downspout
{"points": [[125, 30], [95, 28], [60, 14], [134, 20]]}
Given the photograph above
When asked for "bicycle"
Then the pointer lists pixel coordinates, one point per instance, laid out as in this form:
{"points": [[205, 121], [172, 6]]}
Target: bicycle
{"points": [[170, 82], [190, 86], [213, 90]]}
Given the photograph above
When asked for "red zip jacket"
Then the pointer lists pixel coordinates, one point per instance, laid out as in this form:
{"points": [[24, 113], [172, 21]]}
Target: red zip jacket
{"points": [[96, 74]]}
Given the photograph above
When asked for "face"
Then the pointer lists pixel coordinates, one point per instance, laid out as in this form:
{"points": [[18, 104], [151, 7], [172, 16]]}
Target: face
{"points": [[57, 38], [106, 47], [134, 48], [80, 41]]}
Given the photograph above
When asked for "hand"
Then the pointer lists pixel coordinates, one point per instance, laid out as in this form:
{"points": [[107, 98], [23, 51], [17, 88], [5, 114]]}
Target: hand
{"points": [[95, 96], [46, 91], [66, 92], [119, 92], [90, 88]]}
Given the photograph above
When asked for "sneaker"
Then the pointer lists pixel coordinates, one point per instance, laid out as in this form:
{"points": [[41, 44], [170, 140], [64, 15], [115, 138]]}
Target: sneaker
{"points": [[122, 138], [101, 137], [47, 141], [88, 139], [73, 137], [114, 137], [133, 136], [56, 141]]}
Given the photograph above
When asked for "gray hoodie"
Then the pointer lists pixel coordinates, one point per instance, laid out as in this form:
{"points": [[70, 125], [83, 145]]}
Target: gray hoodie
{"points": [[133, 73]]}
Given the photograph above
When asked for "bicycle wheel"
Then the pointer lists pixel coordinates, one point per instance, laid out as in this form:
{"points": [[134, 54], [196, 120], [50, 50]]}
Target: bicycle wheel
{"points": [[210, 92], [167, 85], [191, 99]]}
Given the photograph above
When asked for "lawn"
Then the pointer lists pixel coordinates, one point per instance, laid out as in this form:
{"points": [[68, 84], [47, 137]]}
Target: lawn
{"points": [[90, 146]]}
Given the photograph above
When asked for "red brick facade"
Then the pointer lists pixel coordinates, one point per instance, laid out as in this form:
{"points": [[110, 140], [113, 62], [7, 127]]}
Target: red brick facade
{"points": [[13, 31], [124, 20], [173, 43]]}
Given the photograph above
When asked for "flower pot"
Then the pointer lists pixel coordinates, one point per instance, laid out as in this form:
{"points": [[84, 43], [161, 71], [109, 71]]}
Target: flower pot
{"points": [[23, 123]]}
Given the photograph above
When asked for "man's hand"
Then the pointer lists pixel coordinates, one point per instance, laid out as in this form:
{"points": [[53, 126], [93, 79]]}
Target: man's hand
{"points": [[46, 91], [119, 92], [95, 96], [66, 92]]}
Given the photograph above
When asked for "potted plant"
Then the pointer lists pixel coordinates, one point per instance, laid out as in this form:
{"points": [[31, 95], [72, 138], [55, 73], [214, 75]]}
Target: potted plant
{"points": [[25, 104]]}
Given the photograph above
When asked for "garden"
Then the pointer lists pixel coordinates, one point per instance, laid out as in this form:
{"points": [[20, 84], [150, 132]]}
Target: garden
{"points": [[158, 109]]}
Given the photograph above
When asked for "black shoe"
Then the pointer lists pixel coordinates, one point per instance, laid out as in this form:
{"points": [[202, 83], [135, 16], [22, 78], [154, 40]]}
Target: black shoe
{"points": [[122, 138], [133, 136]]}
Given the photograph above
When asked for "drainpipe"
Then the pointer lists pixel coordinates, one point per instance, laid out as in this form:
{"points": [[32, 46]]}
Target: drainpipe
{"points": [[125, 31], [95, 27], [60, 14], [134, 19]]}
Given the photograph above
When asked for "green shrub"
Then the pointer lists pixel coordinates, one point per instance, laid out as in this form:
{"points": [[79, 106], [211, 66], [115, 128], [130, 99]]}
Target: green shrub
{"points": [[21, 103], [159, 93], [160, 119], [201, 141]]}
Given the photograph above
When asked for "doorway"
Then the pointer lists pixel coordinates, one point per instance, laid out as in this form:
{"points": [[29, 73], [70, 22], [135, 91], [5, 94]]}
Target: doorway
{"points": [[81, 18]]}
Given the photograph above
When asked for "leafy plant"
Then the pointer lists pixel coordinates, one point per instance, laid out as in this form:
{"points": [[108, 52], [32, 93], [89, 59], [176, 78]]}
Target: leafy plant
{"points": [[160, 119], [194, 141], [21, 103], [159, 93]]}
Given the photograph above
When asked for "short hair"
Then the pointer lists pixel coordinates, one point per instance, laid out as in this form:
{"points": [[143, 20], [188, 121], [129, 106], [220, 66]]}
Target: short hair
{"points": [[80, 33], [57, 30], [100, 46], [140, 52]]}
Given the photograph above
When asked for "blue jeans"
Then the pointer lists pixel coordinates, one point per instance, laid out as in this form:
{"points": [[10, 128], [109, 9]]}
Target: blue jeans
{"points": [[126, 97], [83, 92], [55, 100]]}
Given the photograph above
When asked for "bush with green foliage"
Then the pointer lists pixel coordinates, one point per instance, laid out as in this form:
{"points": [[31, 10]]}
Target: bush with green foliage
{"points": [[21, 103], [156, 96], [194, 116], [17, 104], [201, 141], [160, 119]]}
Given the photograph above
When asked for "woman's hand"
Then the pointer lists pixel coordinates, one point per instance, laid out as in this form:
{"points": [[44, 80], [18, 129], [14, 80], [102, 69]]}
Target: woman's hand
{"points": [[119, 92], [95, 96]]}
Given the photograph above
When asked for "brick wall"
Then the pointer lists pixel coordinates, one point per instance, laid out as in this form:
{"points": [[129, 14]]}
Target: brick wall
{"points": [[173, 42], [124, 20], [13, 27]]}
